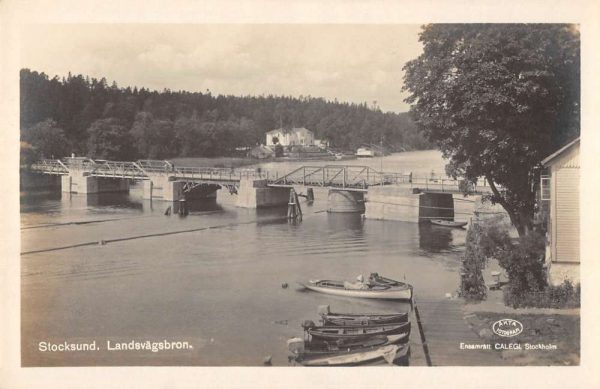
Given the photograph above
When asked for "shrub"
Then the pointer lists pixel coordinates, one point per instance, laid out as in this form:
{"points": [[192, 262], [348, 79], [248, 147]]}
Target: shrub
{"points": [[561, 296], [524, 264], [472, 284], [523, 261], [485, 239]]}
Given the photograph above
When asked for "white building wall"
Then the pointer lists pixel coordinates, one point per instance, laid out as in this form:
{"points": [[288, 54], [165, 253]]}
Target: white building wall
{"points": [[296, 136], [564, 245]]}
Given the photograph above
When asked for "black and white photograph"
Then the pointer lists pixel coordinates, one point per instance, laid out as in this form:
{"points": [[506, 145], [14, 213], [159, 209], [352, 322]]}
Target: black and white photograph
{"points": [[299, 194]]}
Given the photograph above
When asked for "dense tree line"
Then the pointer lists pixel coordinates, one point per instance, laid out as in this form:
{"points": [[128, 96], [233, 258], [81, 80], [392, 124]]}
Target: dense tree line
{"points": [[87, 116]]}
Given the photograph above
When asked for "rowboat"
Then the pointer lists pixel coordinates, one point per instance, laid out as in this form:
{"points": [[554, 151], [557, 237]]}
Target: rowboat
{"points": [[355, 332], [389, 354], [322, 348], [359, 319], [345, 319], [397, 291], [448, 223]]}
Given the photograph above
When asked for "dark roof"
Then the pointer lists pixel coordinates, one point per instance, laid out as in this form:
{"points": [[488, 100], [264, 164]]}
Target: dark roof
{"points": [[559, 152]]}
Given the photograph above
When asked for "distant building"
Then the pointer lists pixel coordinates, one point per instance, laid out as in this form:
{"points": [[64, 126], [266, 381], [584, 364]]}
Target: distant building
{"points": [[365, 152], [322, 143], [290, 137], [261, 152], [559, 193]]}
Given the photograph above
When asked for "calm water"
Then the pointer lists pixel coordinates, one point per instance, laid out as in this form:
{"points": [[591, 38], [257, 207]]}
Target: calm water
{"points": [[420, 163], [218, 286]]}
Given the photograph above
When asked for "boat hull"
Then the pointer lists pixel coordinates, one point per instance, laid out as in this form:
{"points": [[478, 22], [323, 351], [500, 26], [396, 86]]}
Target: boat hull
{"points": [[385, 355], [336, 319], [318, 347], [448, 223], [391, 293], [348, 333]]}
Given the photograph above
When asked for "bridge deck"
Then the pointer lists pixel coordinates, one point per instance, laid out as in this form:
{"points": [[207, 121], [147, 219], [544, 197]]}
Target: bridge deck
{"points": [[346, 177]]}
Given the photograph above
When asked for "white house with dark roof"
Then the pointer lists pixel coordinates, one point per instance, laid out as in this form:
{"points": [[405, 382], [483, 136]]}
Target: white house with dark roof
{"points": [[560, 188]]}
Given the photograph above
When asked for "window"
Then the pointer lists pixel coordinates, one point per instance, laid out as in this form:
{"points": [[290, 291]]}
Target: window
{"points": [[545, 187]]}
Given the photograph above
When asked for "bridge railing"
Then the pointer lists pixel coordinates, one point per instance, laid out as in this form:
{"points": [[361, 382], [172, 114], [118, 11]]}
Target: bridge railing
{"points": [[154, 166], [362, 177], [79, 163], [338, 176], [122, 169], [440, 184], [50, 166], [218, 174]]}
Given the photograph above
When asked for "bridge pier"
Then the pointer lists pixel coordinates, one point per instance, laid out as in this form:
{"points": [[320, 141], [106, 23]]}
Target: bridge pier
{"points": [[401, 204], [344, 201], [79, 182], [436, 206], [392, 203], [253, 193], [163, 187]]}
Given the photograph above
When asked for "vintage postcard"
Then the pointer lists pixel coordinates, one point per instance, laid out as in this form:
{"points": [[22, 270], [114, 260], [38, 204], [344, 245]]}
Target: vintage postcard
{"points": [[287, 194]]}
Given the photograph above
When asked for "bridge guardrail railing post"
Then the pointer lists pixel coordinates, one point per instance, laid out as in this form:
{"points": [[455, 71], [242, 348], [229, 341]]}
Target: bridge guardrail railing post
{"points": [[304, 176]]}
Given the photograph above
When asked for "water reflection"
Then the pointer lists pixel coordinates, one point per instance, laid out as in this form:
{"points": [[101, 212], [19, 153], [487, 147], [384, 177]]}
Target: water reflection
{"points": [[35, 198], [345, 221], [110, 200], [434, 238], [195, 206]]}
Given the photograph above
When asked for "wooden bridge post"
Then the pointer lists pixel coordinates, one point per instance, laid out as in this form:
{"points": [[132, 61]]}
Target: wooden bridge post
{"points": [[304, 176], [310, 196], [294, 210]]}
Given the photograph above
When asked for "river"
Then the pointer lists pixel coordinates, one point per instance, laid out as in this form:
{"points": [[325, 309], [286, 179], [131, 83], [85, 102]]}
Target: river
{"points": [[217, 286]]}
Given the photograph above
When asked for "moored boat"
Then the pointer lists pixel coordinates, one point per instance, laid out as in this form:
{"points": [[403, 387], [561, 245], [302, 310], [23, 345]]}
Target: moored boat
{"points": [[356, 332], [448, 223], [359, 319], [331, 347], [388, 354], [348, 321], [396, 291]]}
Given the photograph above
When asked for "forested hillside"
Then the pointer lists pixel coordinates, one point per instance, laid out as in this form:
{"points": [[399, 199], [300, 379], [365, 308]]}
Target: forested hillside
{"points": [[87, 116]]}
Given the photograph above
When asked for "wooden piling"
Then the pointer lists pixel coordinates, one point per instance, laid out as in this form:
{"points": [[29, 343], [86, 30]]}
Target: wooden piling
{"points": [[294, 210], [310, 195]]}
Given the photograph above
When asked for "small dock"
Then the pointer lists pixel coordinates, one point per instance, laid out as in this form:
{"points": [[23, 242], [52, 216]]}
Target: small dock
{"points": [[444, 328]]}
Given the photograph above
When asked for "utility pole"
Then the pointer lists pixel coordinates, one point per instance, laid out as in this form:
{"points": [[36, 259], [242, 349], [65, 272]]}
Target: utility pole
{"points": [[381, 151]]}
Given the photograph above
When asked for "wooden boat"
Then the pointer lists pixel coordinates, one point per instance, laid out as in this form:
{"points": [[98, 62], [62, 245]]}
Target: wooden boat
{"points": [[389, 354], [326, 347], [396, 291], [356, 332], [376, 279], [448, 223], [359, 319], [347, 319]]}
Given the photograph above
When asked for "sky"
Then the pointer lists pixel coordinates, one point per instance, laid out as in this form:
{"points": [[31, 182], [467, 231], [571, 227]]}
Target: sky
{"points": [[352, 63]]}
